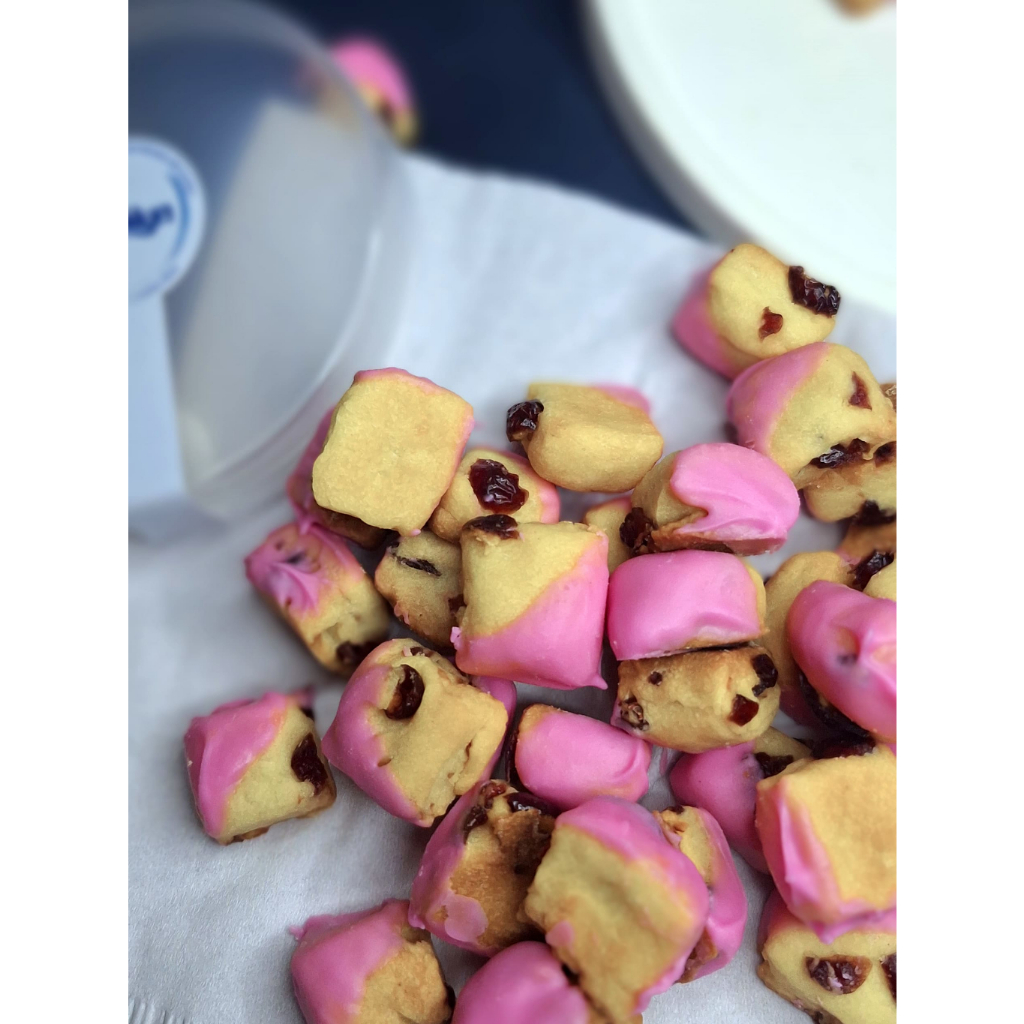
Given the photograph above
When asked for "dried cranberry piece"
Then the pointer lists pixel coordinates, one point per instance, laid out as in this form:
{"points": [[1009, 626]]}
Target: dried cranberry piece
{"points": [[841, 975], [350, 654], [421, 564], [501, 525], [529, 802], [771, 323], [828, 714], [743, 709], [632, 714], [418, 650], [860, 393], [521, 420], [489, 791], [767, 673], [815, 296], [495, 487], [405, 701], [772, 765], [841, 748], [840, 454], [306, 764], [474, 819], [885, 452], [889, 966], [635, 531], [874, 563], [655, 678], [871, 515]]}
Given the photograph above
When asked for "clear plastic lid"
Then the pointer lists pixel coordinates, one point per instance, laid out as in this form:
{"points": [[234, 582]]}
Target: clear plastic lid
{"points": [[297, 278]]}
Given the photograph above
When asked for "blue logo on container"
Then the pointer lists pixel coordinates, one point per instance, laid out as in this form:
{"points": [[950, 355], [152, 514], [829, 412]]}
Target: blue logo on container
{"points": [[144, 222]]}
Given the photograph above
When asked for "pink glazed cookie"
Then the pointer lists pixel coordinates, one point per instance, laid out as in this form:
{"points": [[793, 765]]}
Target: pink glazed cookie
{"points": [[845, 643], [620, 906], [378, 76], [253, 763], [696, 834], [569, 759], [664, 603], [366, 967], [535, 600], [718, 497]]}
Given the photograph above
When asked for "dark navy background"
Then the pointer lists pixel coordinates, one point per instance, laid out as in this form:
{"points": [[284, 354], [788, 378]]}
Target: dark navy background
{"points": [[502, 84]]}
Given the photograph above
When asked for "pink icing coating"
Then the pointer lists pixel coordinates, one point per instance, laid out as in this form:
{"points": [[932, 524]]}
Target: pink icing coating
{"points": [[336, 955], [802, 870], [524, 984], [569, 759], [760, 393], [727, 906], [776, 917], [692, 329], [748, 498], [299, 486], [500, 689], [556, 642], [845, 642], [432, 893], [299, 585], [659, 603], [626, 395], [220, 746], [351, 745], [724, 782], [367, 62], [632, 832]]}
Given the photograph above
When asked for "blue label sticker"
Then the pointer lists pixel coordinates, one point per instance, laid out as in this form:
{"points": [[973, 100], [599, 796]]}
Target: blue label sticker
{"points": [[166, 217]]}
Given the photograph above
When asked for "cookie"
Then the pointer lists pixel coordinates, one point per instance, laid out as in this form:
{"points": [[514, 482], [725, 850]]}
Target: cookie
{"points": [[313, 581], [696, 834], [412, 732], [698, 700], [608, 516], [568, 759], [253, 763], [382, 84], [477, 866], [620, 906], [664, 603], [584, 438], [715, 497], [370, 967], [862, 540], [392, 449], [828, 832], [421, 577], [849, 981], [491, 482], [812, 410], [724, 782], [535, 601], [299, 489], [845, 644], [865, 489], [752, 306], [883, 582]]}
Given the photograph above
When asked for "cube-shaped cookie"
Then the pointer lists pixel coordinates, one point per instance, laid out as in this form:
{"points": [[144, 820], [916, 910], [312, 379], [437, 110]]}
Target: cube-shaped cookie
{"points": [[314, 582], [412, 732], [392, 448], [253, 763]]}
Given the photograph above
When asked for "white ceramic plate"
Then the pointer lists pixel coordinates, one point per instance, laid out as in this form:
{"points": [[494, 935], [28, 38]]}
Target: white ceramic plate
{"points": [[766, 119]]}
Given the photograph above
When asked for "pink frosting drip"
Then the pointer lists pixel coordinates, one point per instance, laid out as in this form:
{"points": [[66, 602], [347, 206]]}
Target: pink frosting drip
{"points": [[569, 759], [524, 984], [727, 906], [336, 955], [633, 833], [747, 497], [659, 603], [220, 746], [724, 782], [845, 642], [281, 567], [626, 395], [556, 642], [692, 329], [802, 870], [351, 745], [760, 393], [776, 917], [367, 62]]}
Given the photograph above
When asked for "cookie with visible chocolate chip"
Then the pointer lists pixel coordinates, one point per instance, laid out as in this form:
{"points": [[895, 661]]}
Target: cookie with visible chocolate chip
{"points": [[254, 763], [413, 732], [490, 482], [478, 865], [421, 577], [698, 700]]}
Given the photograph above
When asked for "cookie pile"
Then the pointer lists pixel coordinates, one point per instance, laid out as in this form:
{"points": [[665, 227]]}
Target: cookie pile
{"points": [[586, 904]]}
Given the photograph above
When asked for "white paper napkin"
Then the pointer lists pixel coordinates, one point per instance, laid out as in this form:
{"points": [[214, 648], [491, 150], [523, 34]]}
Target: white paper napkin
{"points": [[512, 281]]}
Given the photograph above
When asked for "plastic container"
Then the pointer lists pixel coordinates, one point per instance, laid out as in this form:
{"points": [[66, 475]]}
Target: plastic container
{"points": [[268, 235]]}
